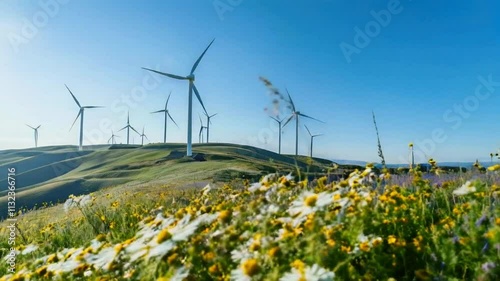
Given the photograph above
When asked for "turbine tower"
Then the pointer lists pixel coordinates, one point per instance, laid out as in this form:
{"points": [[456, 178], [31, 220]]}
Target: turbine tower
{"points": [[208, 124], [128, 127], [36, 133], [167, 114], [279, 137], [112, 138], [200, 135], [192, 87], [296, 114], [80, 114], [143, 136], [312, 139]]}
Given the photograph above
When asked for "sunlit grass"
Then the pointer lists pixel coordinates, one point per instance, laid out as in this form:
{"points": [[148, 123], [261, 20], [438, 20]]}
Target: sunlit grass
{"points": [[364, 227]]}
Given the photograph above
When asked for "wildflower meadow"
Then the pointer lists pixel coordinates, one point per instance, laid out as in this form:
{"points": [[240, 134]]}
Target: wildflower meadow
{"points": [[363, 227]]}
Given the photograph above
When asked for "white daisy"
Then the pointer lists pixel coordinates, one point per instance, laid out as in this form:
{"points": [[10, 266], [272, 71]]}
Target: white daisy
{"points": [[314, 273], [29, 249], [180, 274], [466, 188]]}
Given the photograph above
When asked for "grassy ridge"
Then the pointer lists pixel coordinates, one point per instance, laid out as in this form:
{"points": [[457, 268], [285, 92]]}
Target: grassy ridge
{"points": [[51, 174]]}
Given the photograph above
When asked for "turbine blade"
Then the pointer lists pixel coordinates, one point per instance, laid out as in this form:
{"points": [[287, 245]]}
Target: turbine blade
{"points": [[199, 59], [92, 106], [123, 128], [317, 135], [79, 112], [275, 119], [210, 117], [30, 126], [308, 130], [166, 104], [173, 120], [135, 130], [167, 74], [310, 117], [291, 101], [110, 138], [288, 120], [158, 111], [146, 137], [38, 127], [199, 98], [73, 96]]}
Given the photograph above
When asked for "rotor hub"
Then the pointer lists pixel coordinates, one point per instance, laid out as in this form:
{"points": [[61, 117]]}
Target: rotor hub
{"points": [[190, 77]]}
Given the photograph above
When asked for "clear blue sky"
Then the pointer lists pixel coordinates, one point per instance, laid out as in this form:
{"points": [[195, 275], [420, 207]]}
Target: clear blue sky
{"points": [[415, 70]]}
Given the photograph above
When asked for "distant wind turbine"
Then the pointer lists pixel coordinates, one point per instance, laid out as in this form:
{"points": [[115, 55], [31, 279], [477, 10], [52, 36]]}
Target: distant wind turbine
{"points": [[312, 139], [80, 114], [279, 137], [190, 78], [36, 133], [296, 114], [143, 136], [167, 114], [128, 127], [112, 138], [200, 135], [208, 124]]}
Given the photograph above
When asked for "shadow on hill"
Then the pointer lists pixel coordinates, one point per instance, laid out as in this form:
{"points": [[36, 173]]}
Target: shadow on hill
{"points": [[56, 192], [42, 167]]}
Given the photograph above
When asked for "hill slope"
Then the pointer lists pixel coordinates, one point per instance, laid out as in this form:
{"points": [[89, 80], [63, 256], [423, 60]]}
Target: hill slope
{"points": [[53, 173]]}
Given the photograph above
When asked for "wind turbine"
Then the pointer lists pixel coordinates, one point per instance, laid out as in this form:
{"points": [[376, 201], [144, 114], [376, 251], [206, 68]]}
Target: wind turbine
{"points": [[166, 114], [192, 87], [80, 114], [208, 124], [112, 138], [143, 136], [296, 114], [279, 137], [200, 135], [128, 127], [312, 139], [36, 133]]}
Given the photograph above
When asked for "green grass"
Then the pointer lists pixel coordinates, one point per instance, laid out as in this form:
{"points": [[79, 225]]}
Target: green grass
{"points": [[51, 174]]}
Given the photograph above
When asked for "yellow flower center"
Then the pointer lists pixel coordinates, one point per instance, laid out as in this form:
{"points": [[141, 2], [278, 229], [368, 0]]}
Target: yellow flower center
{"points": [[250, 267], [311, 200], [163, 236]]}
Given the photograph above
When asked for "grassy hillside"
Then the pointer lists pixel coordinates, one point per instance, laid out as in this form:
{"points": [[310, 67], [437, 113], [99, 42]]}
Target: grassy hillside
{"points": [[51, 174]]}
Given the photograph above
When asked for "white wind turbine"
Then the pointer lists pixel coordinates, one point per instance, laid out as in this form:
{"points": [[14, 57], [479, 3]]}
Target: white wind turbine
{"points": [[167, 114], [112, 138], [312, 139], [208, 124], [128, 127], [192, 87], [296, 114], [36, 133], [200, 135], [143, 136], [279, 137], [80, 114]]}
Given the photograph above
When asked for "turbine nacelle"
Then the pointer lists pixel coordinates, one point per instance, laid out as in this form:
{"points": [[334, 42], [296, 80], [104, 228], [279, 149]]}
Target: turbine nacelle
{"points": [[190, 77]]}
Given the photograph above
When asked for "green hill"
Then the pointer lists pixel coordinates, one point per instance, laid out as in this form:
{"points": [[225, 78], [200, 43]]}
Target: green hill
{"points": [[51, 174]]}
